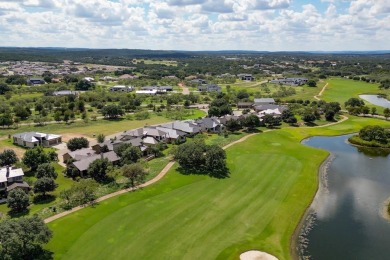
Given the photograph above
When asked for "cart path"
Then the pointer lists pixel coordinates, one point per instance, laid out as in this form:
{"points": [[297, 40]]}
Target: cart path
{"points": [[321, 92], [150, 182]]}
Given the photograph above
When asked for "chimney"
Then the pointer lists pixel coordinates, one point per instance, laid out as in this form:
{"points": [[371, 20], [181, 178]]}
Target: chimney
{"points": [[7, 175]]}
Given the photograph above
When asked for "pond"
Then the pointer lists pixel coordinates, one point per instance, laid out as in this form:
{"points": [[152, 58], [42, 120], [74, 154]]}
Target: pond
{"points": [[376, 100], [345, 220]]}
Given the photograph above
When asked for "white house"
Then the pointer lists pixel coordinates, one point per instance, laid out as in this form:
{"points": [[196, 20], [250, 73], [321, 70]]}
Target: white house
{"points": [[11, 178], [33, 139]]}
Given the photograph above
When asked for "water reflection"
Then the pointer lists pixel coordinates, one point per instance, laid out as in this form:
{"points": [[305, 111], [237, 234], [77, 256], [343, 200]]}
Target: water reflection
{"points": [[348, 223], [376, 100]]}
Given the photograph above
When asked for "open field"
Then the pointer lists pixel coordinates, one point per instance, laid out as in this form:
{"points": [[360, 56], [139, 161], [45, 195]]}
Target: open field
{"points": [[105, 127], [193, 216]]}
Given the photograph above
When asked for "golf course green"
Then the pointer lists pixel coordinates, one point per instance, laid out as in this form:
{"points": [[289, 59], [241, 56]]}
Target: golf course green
{"points": [[273, 179]]}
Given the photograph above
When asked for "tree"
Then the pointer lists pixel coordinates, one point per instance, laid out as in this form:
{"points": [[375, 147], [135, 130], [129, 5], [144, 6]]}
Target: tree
{"points": [[4, 88], [386, 113], [46, 170], [112, 111], [22, 112], [286, 114], [80, 193], [6, 120], [271, 121], [23, 238], [17, 200], [365, 110], [354, 102], [291, 120], [84, 85], [100, 138], [374, 133], [309, 117], [233, 124], [98, 169], [329, 115], [220, 107], [242, 94], [215, 161], [8, 157], [77, 143], [373, 110], [131, 155], [135, 173], [311, 83], [251, 121], [34, 157], [44, 185], [190, 156]]}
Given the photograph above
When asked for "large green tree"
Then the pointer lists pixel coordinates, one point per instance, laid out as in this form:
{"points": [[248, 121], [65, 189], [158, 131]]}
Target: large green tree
{"points": [[23, 238], [112, 111], [8, 157], [46, 170], [77, 143], [44, 185], [98, 169], [34, 157], [18, 200], [135, 173], [131, 155]]}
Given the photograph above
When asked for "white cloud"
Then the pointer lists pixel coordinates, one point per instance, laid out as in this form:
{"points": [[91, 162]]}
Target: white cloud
{"points": [[195, 24]]}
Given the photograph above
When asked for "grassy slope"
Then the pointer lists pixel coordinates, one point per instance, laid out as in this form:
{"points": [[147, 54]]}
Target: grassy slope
{"points": [[190, 217]]}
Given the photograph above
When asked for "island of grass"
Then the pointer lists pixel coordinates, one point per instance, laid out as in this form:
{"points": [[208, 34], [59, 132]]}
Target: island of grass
{"points": [[372, 136], [273, 178]]}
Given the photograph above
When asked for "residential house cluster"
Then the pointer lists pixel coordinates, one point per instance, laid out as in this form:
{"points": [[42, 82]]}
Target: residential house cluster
{"points": [[289, 81], [263, 106]]}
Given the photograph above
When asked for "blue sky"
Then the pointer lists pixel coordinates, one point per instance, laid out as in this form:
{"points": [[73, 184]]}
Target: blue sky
{"points": [[271, 25]]}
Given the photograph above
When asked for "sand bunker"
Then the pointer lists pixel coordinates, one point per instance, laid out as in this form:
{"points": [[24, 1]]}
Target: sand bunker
{"points": [[256, 255]]}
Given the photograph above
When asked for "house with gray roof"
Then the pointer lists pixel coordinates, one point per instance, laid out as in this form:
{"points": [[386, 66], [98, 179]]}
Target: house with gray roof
{"points": [[210, 88], [210, 124], [198, 81], [82, 165], [247, 77], [187, 127], [261, 108], [78, 155], [33, 139], [173, 135], [65, 93], [263, 101]]}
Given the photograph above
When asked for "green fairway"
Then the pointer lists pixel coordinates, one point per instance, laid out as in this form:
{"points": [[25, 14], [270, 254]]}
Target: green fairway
{"points": [[273, 179], [340, 90]]}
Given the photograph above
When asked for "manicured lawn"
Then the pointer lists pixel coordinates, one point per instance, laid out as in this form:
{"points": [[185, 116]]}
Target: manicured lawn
{"points": [[273, 178]]}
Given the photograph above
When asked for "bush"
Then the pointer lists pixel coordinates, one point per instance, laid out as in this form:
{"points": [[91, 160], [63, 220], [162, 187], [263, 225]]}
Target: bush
{"points": [[77, 143]]}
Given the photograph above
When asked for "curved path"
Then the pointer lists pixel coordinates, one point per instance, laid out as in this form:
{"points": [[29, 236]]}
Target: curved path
{"points": [[150, 182], [321, 92]]}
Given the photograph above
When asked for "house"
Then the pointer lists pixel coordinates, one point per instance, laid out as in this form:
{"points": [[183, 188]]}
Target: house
{"points": [[185, 126], [108, 78], [113, 145], [166, 88], [82, 165], [210, 124], [210, 88], [33, 139], [35, 81], [121, 88], [198, 81], [147, 92], [79, 154], [269, 107], [65, 93], [89, 79], [247, 77], [11, 178], [173, 135], [226, 118], [290, 81], [263, 101], [244, 104]]}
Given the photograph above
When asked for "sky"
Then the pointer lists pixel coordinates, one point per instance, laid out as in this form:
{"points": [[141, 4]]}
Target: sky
{"points": [[262, 25]]}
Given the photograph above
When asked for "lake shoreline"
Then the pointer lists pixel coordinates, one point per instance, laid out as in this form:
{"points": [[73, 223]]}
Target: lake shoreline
{"points": [[304, 222]]}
